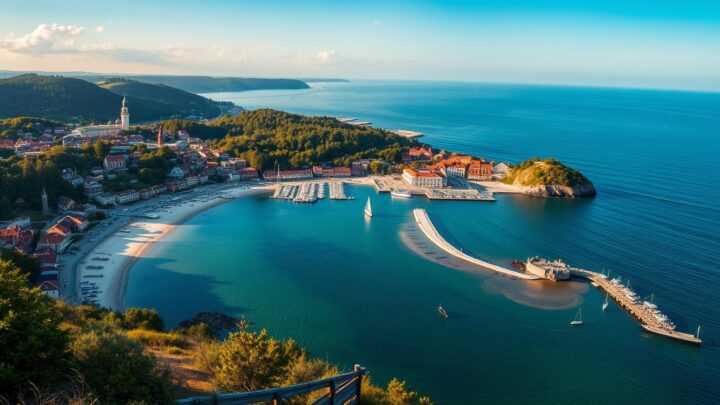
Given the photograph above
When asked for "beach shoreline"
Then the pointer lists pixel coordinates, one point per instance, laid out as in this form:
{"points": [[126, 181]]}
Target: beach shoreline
{"points": [[121, 249]]}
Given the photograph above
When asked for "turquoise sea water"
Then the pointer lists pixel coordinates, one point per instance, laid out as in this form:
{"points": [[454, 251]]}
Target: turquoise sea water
{"points": [[366, 292]]}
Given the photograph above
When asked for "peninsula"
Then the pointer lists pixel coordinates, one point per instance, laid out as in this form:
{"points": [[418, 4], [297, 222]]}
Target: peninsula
{"points": [[549, 178]]}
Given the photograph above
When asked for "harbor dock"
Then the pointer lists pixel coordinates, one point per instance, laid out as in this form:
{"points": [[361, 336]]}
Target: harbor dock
{"points": [[310, 191], [650, 318], [647, 313], [425, 225]]}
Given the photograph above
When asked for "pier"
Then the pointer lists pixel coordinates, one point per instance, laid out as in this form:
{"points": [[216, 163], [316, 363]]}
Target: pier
{"points": [[337, 191], [650, 318], [423, 222]]}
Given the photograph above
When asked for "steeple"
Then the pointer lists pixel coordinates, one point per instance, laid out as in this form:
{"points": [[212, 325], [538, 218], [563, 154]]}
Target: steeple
{"points": [[45, 207], [124, 116], [160, 138]]}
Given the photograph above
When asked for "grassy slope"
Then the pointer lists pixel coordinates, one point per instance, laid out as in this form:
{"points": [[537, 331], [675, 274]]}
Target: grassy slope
{"points": [[535, 172]]}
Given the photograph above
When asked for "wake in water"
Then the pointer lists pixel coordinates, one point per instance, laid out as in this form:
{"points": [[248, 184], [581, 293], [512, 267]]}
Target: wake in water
{"points": [[543, 294]]}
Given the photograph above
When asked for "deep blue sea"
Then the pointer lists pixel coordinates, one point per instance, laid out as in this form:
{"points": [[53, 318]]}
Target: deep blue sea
{"points": [[365, 292]]}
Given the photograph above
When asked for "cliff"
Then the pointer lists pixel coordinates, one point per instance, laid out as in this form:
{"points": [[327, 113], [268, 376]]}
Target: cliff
{"points": [[549, 178]]}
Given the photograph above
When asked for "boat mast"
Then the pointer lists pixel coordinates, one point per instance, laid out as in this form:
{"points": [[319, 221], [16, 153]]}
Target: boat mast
{"points": [[697, 335]]}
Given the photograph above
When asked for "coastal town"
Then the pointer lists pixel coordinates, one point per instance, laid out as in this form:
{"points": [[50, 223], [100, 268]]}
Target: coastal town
{"points": [[81, 239]]}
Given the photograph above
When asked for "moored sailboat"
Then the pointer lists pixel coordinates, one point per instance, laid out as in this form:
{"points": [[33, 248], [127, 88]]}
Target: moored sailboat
{"points": [[605, 304]]}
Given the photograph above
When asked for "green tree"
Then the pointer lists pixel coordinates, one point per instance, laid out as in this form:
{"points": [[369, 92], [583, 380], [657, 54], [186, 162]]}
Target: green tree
{"points": [[32, 346], [143, 318], [117, 369], [249, 361], [399, 394]]}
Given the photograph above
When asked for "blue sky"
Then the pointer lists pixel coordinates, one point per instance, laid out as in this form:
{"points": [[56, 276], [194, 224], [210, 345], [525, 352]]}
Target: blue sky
{"points": [[660, 43]]}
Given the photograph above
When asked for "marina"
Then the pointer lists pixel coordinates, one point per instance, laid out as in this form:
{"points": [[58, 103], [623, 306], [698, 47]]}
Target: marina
{"points": [[310, 192]]}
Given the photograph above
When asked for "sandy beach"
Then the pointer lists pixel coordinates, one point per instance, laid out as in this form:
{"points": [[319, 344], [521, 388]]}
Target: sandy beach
{"points": [[103, 272]]}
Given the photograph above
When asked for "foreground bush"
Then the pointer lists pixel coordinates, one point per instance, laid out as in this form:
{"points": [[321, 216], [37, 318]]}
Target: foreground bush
{"points": [[117, 369]]}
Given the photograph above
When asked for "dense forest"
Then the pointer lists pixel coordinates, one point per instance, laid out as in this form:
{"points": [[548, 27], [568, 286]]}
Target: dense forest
{"points": [[266, 138], [56, 353], [76, 100]]}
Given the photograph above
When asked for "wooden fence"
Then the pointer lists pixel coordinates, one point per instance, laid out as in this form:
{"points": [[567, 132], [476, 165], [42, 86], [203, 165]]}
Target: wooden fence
{"points": [[343, 389]]}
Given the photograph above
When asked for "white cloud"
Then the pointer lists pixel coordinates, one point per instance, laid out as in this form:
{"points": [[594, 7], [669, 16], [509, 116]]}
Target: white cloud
{"points": [[326, 56], [377, 22], [99, 29], [45, 38]]}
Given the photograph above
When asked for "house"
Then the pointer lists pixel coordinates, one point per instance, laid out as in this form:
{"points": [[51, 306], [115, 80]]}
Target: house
{"points": [[114, 162], [79, 222], [105, 198], [92, 187], [480, 170], [176, 173], [331, 171], [127, 196], [66, 204], [421, 153], [248, 173], [16, 237], [72, 177], [500, 170], [51, 288], [55, 239], [271, 175], [423, 177], [46, 257]]}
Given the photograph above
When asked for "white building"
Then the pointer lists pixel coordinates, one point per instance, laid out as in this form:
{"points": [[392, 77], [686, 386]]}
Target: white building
{"points": [[127, 196], [105, 198], [423, 178], [124, 117]]}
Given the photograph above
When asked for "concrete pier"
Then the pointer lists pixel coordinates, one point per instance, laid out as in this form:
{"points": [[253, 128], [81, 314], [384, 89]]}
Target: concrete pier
{"points": [[423, 222]]}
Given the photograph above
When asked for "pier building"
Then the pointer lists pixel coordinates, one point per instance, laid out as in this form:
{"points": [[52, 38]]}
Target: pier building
{"points": [[552, 270]]}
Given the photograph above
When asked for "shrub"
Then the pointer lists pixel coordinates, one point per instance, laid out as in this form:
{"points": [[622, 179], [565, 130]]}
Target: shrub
{"points": [[117, 369], [157, 339], [142, 318]]}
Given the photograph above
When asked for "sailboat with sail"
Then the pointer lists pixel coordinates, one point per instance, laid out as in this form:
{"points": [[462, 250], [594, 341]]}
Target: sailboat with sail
{"points": [[578, 318], [368, 208], [605, 304]]}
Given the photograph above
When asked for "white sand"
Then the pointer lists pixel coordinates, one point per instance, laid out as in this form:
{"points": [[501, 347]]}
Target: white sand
{"points": [[127, 245]]}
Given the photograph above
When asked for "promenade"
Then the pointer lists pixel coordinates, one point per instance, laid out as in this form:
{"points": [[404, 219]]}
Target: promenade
{"points": [[423, 222]]}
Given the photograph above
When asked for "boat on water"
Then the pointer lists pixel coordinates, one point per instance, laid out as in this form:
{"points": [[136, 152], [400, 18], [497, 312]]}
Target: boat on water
{"points": [[400, 194], [578, 318], [605, 304], [368, 208], [443, 312]]}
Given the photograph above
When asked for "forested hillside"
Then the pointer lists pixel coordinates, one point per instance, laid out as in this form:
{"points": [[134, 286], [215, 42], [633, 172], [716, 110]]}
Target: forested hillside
{"points": [[73, 100], [178, 101]]}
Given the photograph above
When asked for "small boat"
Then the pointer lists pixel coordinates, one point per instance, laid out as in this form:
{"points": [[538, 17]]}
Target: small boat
{"points": [[605, 304], [400, 194], [368, 208], [443, 312], [578, 318]]}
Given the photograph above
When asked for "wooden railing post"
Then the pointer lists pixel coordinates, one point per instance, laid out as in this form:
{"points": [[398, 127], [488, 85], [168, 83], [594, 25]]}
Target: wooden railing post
{"points": [[358, 392], [277, 400], [332, 392]]}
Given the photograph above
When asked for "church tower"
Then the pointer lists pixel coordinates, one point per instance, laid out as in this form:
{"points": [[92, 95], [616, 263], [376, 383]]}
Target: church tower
{"points": [[124, 117], [160, 138], [46, 208]]}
